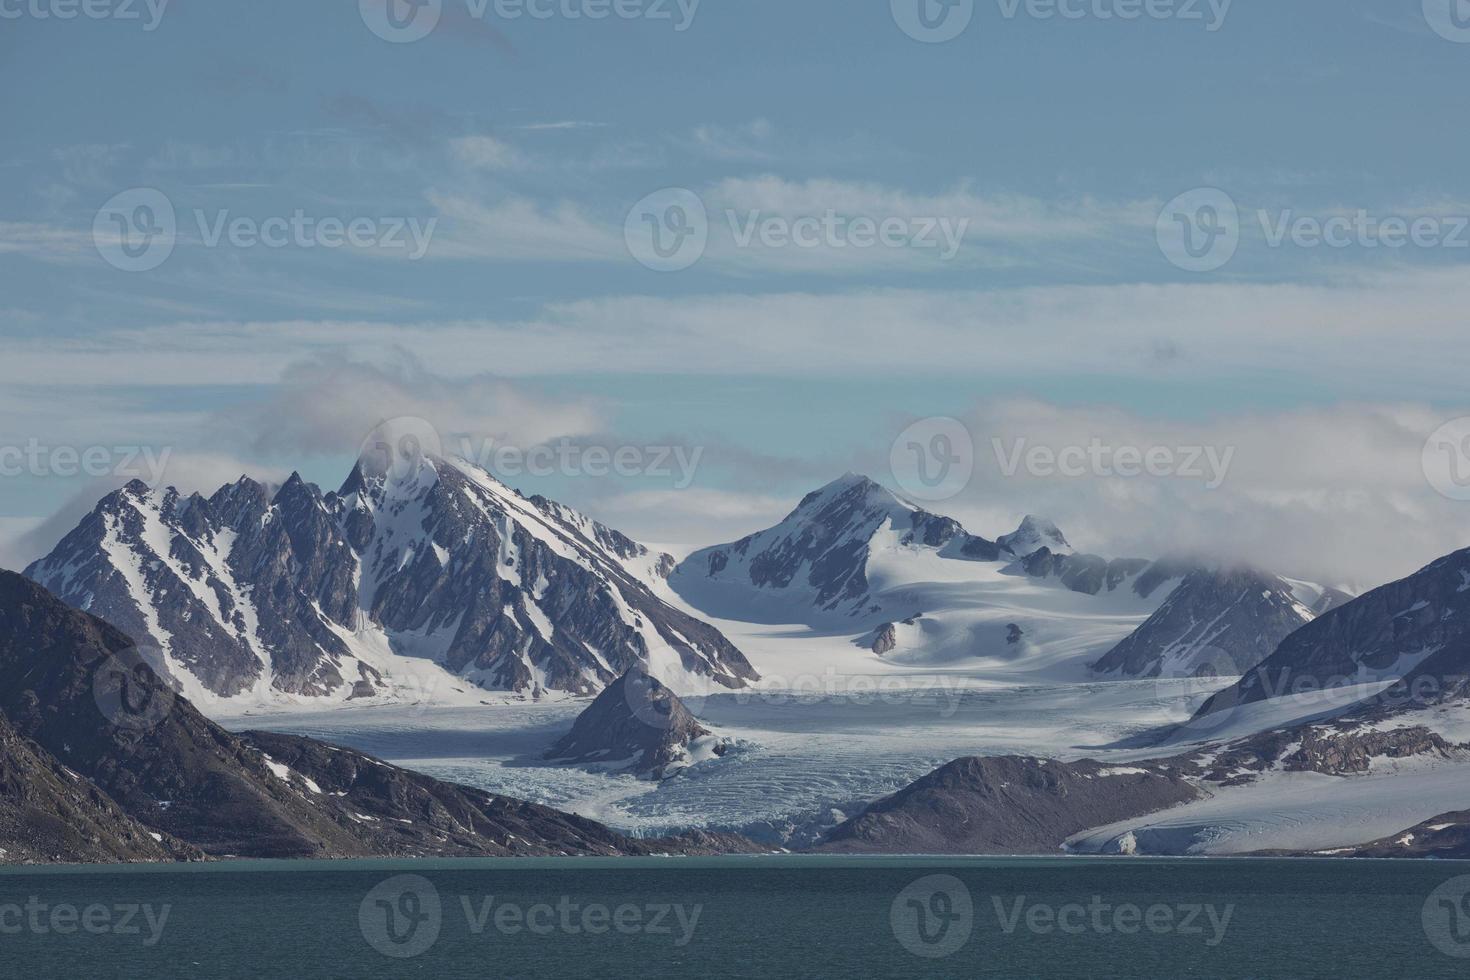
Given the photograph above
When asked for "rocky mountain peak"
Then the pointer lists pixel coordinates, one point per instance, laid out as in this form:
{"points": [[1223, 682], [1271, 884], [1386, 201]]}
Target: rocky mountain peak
{"points": [[1034, 534], [637, 724], [322, 595], [1415, 630], [818, 555]]}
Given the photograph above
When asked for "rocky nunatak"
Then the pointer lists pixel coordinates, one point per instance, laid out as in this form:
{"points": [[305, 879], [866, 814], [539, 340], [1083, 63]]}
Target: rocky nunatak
{"points": [[638, 725]]}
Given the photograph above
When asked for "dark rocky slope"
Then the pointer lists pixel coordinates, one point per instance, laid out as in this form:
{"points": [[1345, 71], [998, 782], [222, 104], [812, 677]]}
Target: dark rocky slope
{"points": [[1446, 837], [1219, 622], [49, 813], [636, 725], [1007, 805], [1416, 629], [81, 691]]}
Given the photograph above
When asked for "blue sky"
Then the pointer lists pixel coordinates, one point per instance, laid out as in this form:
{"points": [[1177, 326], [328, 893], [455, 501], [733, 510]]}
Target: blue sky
{"points": [[1054, 142]]}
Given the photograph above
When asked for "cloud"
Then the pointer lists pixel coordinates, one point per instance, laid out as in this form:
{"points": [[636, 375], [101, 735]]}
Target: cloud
{"points": [[89, 165], [681, 521], [329, 405], [998, 229], [1387, 332], [517, 229], [562, 125], [1001, 217], [1337, 494], [48, 243], [928, 229], [749, 141], [25, 539], [485, 153]]}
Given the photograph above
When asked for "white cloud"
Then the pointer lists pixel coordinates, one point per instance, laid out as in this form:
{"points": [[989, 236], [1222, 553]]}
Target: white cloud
{"points": [[749, 141], [1003, 217], [330, 405], [562, 124], [681, 521], [517, 229], [1389, 334], [1338, 494], [49, 243], [485, 153]]}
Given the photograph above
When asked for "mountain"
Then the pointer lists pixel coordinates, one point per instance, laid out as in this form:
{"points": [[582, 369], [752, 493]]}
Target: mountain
{"points": [[1445, 837], [119, 751], [50, 813], [918, 588], [418, 580], [1034, 534], [636, 725], [1219, 622], [1316, 786], [819, 553], [1006, 805], [1095, 575], [1414, 630]]}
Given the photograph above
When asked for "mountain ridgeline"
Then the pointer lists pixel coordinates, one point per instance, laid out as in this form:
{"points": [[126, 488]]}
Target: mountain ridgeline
{"points": [[909, 581], [335, 595], [1415, 631]]}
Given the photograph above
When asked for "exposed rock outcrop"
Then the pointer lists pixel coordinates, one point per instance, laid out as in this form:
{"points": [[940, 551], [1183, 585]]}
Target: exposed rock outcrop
{"points": [[49, 813], [1218, 622], [1007, 805], [636, 725]]}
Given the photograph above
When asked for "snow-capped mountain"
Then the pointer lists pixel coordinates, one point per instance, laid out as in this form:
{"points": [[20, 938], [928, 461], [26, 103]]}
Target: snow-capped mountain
{"points": [[910, 586], [1416, 630], [1034, 534], [820, 553], [917, 587], [1218, 622], [411, 581]]}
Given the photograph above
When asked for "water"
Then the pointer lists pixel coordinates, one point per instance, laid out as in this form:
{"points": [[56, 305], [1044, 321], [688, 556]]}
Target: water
{"points": [[765, 917]]}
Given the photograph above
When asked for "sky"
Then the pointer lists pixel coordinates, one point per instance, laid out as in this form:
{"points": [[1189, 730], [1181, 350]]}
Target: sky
{"points": [[987, 251]]}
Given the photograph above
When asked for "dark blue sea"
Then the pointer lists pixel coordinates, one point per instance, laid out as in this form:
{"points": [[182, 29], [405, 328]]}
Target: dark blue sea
{"points": [[766, 917]]}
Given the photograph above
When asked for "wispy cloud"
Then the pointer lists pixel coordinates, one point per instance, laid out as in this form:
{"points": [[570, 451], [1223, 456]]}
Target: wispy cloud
{"points": [[1385, 329], [518, 229], [486, 153], [746, 142], [562, 125]]}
